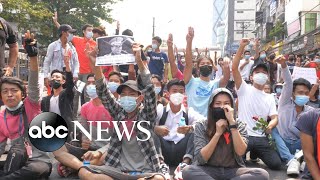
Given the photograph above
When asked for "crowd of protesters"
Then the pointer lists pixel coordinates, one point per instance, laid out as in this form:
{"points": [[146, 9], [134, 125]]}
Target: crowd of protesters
{"points": [[203, 121]]}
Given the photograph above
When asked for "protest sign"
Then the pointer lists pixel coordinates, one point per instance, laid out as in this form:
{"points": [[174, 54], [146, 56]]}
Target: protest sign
{"points": [[306, 73], [115, 50]]}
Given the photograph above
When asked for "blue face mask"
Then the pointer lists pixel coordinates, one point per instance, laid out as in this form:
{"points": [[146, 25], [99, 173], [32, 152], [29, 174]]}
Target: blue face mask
{"points": [[317, 60], [157, 90], [278, 90], [70, 37], [247, 57], [128, 103], [262, 56], [112, 86], [301, 100], [154, 46], [91, 91]]}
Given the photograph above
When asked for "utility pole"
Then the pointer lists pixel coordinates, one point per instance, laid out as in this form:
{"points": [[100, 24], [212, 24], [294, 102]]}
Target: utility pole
{"points": [[244, 26], [153, 26]]}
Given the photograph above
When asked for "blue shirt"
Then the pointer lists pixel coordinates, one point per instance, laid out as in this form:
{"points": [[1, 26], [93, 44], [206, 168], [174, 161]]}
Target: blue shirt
{"points": [[157, 61], [199, 92]]}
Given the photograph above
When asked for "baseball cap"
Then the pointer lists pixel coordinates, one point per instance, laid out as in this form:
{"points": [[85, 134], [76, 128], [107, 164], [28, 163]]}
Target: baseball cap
{"points": [[131, 84], [66, 28], [260, 65]]}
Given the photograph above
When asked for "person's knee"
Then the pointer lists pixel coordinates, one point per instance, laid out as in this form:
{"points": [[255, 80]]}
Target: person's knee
{"points": [[274, 164], [188, 172], [260, 174], [38, 169]]}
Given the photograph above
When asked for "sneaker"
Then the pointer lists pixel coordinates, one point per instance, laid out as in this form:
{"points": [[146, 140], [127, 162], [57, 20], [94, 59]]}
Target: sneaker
{"points": [[302, 166], [298, 154], [293, 167], [178, 171], [165, 171]]}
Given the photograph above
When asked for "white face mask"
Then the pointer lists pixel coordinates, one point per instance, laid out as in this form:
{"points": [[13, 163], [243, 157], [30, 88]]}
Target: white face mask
{"points": [[89, 35], [15, 108], [260, 78], [176, 98]]}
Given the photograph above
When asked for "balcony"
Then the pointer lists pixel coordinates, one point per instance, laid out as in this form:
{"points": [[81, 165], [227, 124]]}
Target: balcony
{"points": [[280, 11]]}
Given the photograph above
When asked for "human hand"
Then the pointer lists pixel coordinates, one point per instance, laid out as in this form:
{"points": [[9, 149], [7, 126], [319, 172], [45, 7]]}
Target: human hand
{"points": [[136, 51], [221, 126], [85, 144], [190, 34], [244, 42], [229, 112], [184, 129], [161, 130], [280, 59], [92, 156], [170, 40], [55, 17]]}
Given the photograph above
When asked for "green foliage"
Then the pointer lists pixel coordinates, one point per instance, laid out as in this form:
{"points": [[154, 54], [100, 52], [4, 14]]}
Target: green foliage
{"points": [[277, 31], [37, 16]]}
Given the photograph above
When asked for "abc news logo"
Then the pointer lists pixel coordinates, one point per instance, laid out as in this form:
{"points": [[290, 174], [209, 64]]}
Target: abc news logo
{"points": [[49, 132]]}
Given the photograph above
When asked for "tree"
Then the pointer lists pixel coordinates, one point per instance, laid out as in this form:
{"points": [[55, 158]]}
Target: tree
{"points": [[37, 15]]}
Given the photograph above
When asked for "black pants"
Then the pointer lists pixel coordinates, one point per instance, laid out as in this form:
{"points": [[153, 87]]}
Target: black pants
{"points": [[172, 153], [261, 148], [33, 170]]}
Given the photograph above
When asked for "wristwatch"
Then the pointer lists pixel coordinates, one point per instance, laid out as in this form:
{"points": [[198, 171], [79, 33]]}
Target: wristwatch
{"points": [[235, 126]]}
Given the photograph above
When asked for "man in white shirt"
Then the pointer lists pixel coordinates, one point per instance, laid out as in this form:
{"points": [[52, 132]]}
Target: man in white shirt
{"points": [[173, 135], [254, 102], [245, 66]]}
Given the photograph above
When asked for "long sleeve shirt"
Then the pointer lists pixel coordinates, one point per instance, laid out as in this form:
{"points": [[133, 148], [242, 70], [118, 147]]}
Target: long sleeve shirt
{"points": [[54, 59], [287, 109]]}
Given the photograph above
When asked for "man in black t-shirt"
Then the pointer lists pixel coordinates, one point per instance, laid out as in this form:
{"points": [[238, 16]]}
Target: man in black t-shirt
{"points": [[8, 36]]}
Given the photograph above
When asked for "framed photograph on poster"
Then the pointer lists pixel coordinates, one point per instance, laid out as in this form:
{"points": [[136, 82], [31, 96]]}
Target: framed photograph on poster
{"points": [[115, 50]]}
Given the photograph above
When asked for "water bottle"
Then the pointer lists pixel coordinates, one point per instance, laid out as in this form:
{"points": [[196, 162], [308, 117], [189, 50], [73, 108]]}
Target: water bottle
{"points": [[86, 163], [182, 122]]}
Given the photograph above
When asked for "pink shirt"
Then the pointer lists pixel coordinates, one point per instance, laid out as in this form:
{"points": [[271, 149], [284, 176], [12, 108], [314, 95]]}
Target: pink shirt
{"points": [[32, 110], [90, 112], [179, 75]]}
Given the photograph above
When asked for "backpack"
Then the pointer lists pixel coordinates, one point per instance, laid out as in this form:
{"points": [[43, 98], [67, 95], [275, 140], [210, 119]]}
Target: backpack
{"points": [[164, 116]]}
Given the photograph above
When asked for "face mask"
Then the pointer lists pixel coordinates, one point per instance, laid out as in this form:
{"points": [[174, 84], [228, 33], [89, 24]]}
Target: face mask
{"points": [[218, 113], [262, 56], [15, 108], [278, 90], [205, 70], [317, 60], [260, 78], [154, 46], [91, 91], [176, 98], [1, 8], [112, 86], [301, 100], [70, 37], [157, 90], [291, 58], [89, 35], [272, 56], [128, 103], [247, 57], [55, 84]]}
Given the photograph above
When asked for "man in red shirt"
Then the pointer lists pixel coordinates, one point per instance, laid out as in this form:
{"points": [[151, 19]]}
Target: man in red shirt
{"points": [[315, 64]]}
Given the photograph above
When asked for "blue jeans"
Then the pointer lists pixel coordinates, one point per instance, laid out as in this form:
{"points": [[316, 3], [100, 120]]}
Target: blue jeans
{"points": [[286, 148]]}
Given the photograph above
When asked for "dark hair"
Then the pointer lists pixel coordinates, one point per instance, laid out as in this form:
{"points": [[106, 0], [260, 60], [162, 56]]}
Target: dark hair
{"points": [[117, 74], [158, 39], [246, 51], [100, 30], [211, 124], [176, 82], [127, 32], [203, 58], [156, 76], [301, 81], [15, 81], [90, 75], [162, 85], [58, 71], [86, 26]]}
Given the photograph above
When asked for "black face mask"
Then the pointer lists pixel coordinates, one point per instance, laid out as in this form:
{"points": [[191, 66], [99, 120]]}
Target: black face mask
{"points": [[205, 70], [272, 57], [291, 58], [218, 113], [55, 84]]}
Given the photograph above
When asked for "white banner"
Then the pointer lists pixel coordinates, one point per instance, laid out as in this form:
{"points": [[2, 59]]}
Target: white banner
{"points": [[309, 74]]}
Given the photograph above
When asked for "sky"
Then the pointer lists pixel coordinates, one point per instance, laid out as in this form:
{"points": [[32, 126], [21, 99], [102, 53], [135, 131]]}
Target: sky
{"points": [[171, 16]]}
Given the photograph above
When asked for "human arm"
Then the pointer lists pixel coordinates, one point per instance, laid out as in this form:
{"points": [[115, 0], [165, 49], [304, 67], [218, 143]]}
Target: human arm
{"points": [[272, 124], [235, 63], [308, 153], [226, 73], [188, 57], [55, 19], [69, 78], [75, 62], [287, 89], [118, 28], [13, 50], [131, 72], [314, 89], [173, 65], [256, 49]]}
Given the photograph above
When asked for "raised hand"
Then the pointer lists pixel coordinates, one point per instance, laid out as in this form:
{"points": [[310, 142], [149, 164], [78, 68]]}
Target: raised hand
{"points": [[55, 17], [190, 34], [280, 59], [244, 42], [66, 59], [91, 53], [30, 44], [226, 63], [136, 50], [170, 40]]}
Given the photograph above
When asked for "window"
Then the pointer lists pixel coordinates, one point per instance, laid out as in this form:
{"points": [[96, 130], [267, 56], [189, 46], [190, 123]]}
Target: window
{"points": [[239, 11], [239, 1], [311, 22]]}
